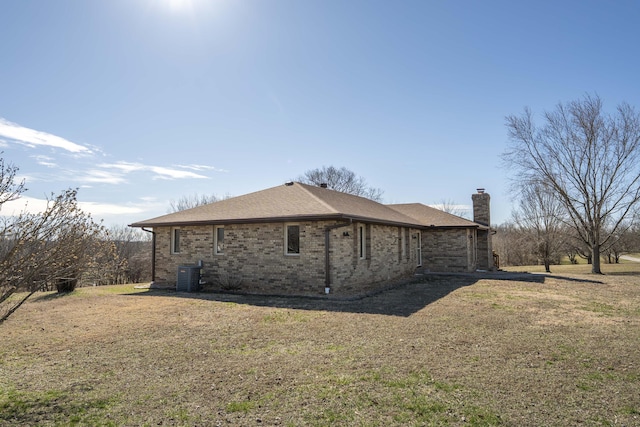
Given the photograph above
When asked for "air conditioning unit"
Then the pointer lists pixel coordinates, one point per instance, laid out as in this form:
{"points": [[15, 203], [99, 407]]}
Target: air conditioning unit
{"points": [[188, 278]]}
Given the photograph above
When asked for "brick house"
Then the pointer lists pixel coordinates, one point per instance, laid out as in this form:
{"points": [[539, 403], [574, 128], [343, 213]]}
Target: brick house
{"points": [[300, 239]]}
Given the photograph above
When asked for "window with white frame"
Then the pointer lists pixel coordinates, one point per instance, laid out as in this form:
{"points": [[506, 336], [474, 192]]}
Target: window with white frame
{"points": [[362, 242], [218, 240], [292, 239], [175, 240]]}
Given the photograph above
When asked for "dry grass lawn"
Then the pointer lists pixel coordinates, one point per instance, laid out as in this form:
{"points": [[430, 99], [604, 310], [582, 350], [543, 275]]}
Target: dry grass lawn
{"points": [[514, 350]]}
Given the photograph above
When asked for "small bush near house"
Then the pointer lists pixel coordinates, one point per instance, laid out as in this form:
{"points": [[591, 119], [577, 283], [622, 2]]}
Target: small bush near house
{"points": [[228, 282]]}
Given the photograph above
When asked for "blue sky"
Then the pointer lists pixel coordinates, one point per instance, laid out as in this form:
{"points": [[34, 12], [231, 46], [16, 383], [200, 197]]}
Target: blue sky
{"points": [[138, 102]]}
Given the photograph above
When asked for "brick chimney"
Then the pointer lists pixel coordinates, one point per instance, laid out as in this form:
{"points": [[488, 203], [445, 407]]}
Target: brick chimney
{"points": [[481, 207], [482, 215]]}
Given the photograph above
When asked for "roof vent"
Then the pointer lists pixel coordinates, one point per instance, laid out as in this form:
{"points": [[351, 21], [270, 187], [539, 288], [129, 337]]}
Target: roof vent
{"points": [[323, 185], [480, 190], [289, 183]]}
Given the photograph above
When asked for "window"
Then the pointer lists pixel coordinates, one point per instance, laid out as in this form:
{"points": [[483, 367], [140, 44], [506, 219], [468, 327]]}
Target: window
{"points": [[292, 240], [175, 240], [404, 243], [362, 242], [218, 240]]}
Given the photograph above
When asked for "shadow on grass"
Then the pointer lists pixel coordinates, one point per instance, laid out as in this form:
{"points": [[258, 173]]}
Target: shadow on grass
{"points": [[522, 277], [573, 279], [50, 296], [401, 300], [53, 407], [623, 273]]}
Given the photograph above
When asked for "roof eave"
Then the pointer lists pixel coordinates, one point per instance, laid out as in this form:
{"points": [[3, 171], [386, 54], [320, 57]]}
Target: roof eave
{"points": [[478, 226], [261, 220], [329, 217]]}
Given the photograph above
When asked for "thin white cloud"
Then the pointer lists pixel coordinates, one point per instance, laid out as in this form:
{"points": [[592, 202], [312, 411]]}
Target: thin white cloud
{"points": [[46, 161], [104, 177], [201, 168], [23, 204], [160, 172], [31, 137], [99, 209], [442, 206], [32, 205], [24, 178]]}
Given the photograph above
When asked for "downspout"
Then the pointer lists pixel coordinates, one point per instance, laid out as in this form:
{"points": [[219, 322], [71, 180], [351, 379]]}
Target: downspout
{"points": [[327, 263], [153, 254]]}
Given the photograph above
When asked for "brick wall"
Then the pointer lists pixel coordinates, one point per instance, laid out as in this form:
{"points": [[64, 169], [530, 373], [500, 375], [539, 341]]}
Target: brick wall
{"points": [[382, 265], [196, 244], [481, 207], [482, 215], [485, 250], [449, 249], [254, 258]]}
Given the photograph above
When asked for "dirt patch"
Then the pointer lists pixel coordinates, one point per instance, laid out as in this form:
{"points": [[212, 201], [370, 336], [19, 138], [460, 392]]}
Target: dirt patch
{"points": [[450, 350]]}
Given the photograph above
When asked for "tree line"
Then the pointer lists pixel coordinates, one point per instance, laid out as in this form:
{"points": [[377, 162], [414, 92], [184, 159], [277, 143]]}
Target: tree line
{"points": [[519, 244], [577, 180]]}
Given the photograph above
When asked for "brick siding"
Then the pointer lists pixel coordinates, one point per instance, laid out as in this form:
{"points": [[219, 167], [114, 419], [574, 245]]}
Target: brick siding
{"points": [[482, 215], [449, 250], [254, 258]]}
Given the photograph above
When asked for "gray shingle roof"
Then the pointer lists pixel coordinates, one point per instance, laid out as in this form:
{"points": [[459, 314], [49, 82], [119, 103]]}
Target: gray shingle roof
{"points": [[293, 202], [428, 216]]}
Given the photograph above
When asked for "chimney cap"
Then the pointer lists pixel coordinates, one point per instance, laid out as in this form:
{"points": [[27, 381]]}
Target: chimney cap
{"points": [[323, 185], [480, 190]]}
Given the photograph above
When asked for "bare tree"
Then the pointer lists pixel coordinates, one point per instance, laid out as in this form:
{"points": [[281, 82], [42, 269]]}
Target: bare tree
{"points": [[342, 180], [513, 245], [540, 216], [40, 251], [133, 249], [589, 159], [192, 201], [451, 207]]}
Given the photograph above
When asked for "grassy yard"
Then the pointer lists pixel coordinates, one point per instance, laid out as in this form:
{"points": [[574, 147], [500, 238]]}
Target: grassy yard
{"points": [[514, 350]]}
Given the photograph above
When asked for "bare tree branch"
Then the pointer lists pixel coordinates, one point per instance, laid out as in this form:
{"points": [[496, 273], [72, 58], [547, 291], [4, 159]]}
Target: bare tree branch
{"points": [[192, 201], [342, 180], [451, 207], [9, 188]]}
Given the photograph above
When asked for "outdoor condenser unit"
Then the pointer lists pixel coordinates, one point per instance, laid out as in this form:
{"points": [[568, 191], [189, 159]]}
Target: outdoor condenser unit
{"points": [[188, 278]]}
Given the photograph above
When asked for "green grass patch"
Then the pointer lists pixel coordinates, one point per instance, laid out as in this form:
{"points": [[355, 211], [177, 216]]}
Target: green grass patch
{"points": [[335, 347], [630, 410], [600, 308], [180, 414], [240, 406]]}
